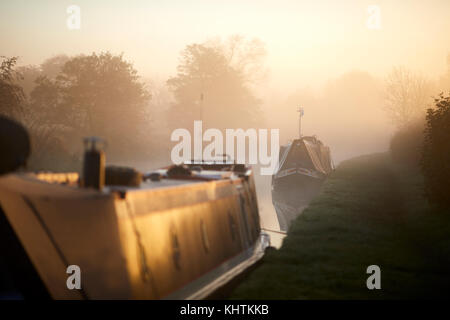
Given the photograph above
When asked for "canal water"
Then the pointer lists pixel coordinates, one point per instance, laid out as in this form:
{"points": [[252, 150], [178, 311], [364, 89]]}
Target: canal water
{"points": [[267, 213]]}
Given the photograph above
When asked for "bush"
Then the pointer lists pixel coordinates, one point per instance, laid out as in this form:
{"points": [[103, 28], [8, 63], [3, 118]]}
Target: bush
{"points": [[436, 153], [406, 144]]}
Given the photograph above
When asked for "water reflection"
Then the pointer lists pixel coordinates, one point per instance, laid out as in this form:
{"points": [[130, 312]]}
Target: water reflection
{"points": [[270, 221], [278, 206]]}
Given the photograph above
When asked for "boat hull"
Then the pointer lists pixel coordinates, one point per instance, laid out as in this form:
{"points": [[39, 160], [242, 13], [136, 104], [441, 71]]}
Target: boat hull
{"points": [[164, 243], [291, 194]]}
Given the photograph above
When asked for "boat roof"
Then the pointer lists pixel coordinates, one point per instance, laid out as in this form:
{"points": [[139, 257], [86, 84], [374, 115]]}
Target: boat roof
{"points": [[197, 177], [316, 151], [151, 180]]}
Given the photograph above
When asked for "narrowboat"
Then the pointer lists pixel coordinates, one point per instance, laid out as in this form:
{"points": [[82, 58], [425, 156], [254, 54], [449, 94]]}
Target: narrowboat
{"points": [[304, 165], [179, 232]]}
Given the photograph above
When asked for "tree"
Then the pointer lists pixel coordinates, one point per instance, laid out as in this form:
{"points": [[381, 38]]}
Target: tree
{"points": [[11, 94], [98, 94], [406, 96], [436, 152], [245, 56], [102, 96], [51, 67], [49, 127], [213, 83], [28, 76]]}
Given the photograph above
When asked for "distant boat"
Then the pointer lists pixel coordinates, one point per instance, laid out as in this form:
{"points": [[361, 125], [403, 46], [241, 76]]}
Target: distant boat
{"points": [[304, 165]]}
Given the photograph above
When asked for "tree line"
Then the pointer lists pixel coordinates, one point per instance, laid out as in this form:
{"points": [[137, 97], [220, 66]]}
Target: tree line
{"points": [[101, 94], [422, 118]]}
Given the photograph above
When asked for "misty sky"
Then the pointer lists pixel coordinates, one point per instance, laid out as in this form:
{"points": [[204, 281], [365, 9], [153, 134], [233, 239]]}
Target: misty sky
{"points": [[308, 42]]}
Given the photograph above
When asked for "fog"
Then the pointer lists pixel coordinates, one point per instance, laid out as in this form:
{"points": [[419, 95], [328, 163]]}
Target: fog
{"points": [[131, 72], [319, 54]]}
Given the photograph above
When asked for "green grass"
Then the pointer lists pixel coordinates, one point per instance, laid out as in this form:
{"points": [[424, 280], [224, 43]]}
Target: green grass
{"points": [[370, 211]]}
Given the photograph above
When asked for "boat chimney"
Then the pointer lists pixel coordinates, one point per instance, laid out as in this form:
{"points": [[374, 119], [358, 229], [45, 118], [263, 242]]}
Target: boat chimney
{"points": [[94, 164]]}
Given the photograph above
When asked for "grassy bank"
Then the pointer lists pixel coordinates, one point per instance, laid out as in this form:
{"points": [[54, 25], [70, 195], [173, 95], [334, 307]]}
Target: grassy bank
{"points": [[370, 211]]}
